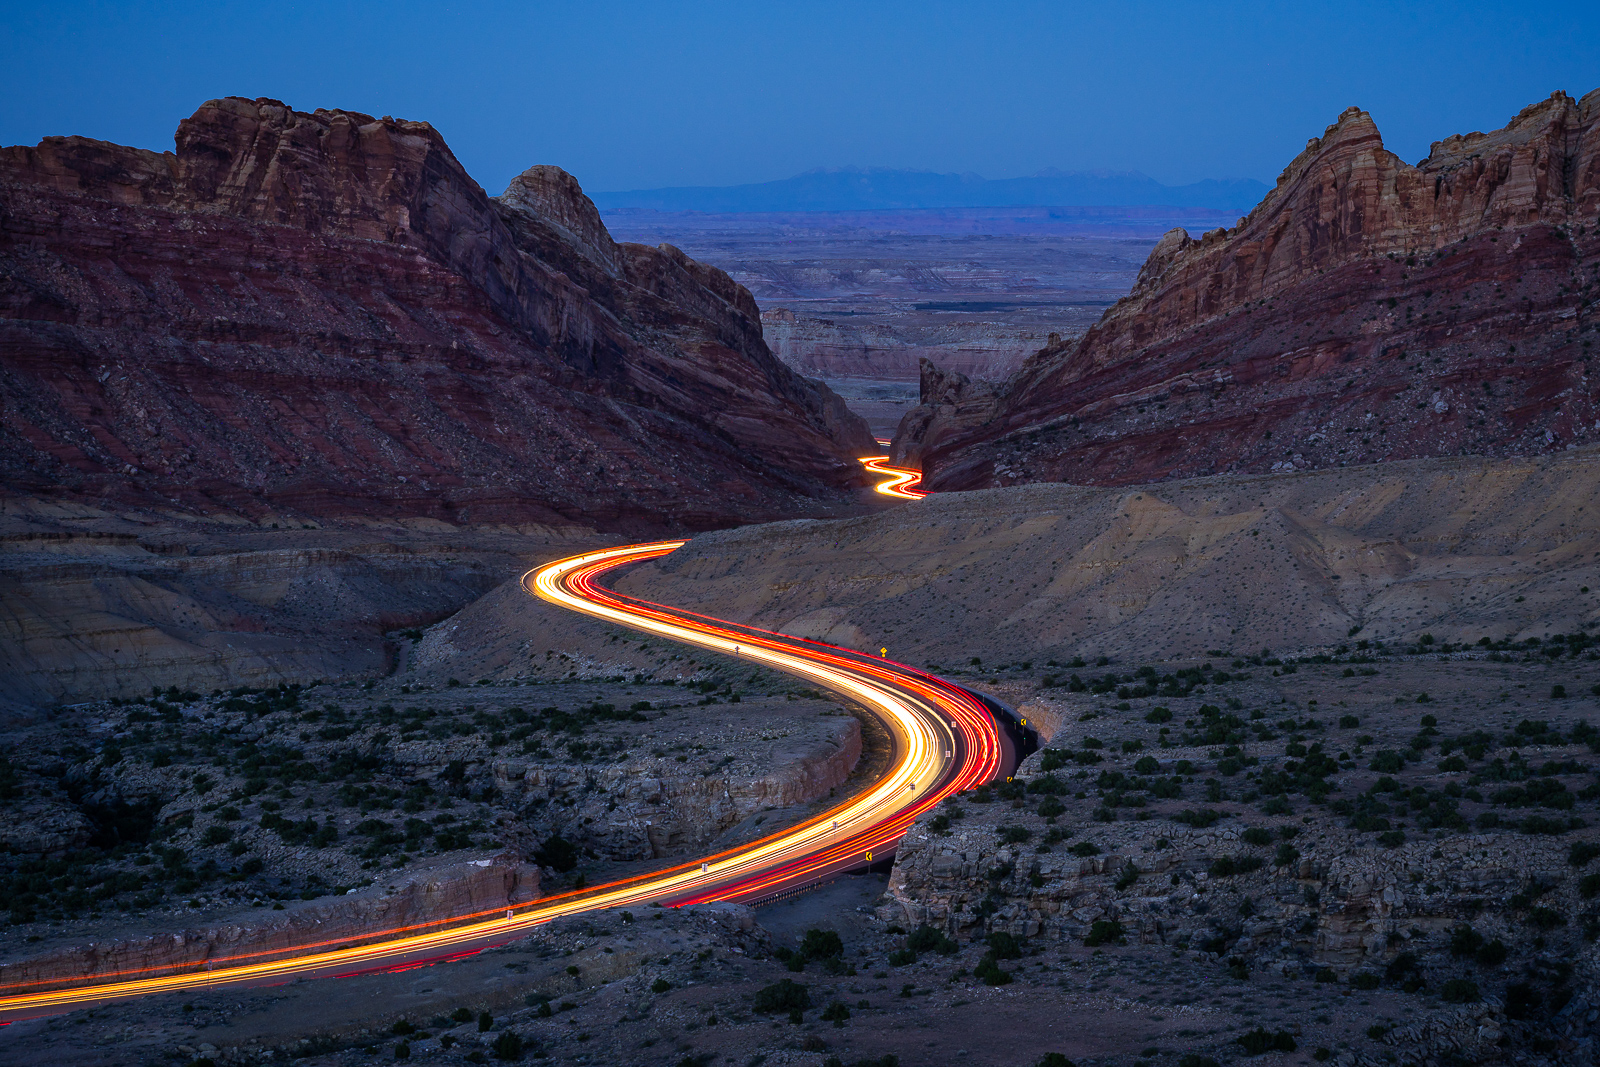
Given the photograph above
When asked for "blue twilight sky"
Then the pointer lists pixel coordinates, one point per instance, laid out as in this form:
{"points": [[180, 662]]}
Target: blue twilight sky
{"points": [[638, 95]]}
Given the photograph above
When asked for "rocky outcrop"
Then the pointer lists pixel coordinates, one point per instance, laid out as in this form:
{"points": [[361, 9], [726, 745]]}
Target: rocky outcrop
{"points": [[322, 315], [443, 896], [646, 808], [1365, 310], [949, 402]]}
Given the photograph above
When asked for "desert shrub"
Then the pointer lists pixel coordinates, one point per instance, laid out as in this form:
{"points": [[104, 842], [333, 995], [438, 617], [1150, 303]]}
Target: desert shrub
{"points": [[1104, 932], [1146, 765], [557, 853], [821, 945], [508, 1046], [1546, 918], [1004, 946], [1085, 848], [1460, 991], [1364, 980], [1387, 762], [1582, 852], [1348, 722], [786, 995], [1589, 886], [1228, 866], [1198, 819], [1158, 715], [1054, 1059], [1194, 1059], [927, 939], [1256, 835], [1049, 784], [902, 958], [1050, 807], [1401, 967], [1259, 1041], [1286, 855], [836, 1013], [1493, 954], [661, 985], [485, 1022], [1392, 838], [1465, 941], [990, 971]]}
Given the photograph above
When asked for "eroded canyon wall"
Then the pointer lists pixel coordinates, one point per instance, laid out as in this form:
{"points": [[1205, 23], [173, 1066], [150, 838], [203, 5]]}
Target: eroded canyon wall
{"points": [[321, 315], [1367, 310]]}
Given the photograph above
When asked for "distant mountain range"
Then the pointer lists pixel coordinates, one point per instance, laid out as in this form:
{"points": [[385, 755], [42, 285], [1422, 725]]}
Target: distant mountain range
{"points": [[877, 189]]}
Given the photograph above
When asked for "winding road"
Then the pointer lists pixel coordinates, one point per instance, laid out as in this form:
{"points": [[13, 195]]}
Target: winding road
{"points": [[945, 740]]}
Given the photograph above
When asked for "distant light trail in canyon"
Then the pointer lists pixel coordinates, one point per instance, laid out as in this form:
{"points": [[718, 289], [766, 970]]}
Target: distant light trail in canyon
{"points": [[945, 741], [899, 482]]}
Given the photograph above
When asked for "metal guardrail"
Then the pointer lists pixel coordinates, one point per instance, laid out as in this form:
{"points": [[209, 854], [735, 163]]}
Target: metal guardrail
{"points": [[790, 893]]}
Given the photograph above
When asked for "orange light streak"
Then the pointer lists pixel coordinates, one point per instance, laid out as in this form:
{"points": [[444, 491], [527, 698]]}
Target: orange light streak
{"points": [[945, 740], [899, 482]]}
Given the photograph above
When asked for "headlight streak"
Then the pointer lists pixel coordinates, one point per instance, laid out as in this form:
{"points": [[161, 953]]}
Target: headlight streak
{"points": [[899, 482], [926, 716]]}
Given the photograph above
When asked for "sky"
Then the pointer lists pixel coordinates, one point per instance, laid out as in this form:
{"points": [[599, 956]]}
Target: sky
{"points": [[644, 95]]}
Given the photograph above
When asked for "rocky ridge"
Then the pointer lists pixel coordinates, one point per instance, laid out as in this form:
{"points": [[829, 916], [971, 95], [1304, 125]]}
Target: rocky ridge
{"points": [[321, 315], [1366, 310]]}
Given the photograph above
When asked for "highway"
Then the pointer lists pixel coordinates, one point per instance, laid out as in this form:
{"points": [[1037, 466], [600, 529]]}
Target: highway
{"points": [[898, 482], [945, 740]]}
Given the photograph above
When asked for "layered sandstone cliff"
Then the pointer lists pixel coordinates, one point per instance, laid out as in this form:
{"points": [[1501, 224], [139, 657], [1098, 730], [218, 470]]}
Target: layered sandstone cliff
{"points": [[323, 316], [1366, 310]]}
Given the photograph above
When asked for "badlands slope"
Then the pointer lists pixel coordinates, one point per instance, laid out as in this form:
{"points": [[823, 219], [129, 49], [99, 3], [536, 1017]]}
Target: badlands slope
{"points": [[1461, 548]]}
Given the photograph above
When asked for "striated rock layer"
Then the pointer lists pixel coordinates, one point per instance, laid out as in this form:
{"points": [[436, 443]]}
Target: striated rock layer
{"points": [[322, 315], [443, 894], [1366, 310]]}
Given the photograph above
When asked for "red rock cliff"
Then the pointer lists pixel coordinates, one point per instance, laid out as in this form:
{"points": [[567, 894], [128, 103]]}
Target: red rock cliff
{"points": [[322, 315], [1366, 310]]}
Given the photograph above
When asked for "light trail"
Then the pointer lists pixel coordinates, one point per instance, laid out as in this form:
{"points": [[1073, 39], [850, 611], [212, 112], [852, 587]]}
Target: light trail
{"points": [[945, 741], [899, 482]]}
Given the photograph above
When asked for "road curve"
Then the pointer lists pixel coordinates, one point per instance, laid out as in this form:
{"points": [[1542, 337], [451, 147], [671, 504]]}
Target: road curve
{"points": [[899, 482], [945, 740]]}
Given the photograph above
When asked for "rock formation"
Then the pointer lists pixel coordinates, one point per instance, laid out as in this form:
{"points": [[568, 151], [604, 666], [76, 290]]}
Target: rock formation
{"points": [[445, 895], [1366, 310], [323, 316]]}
